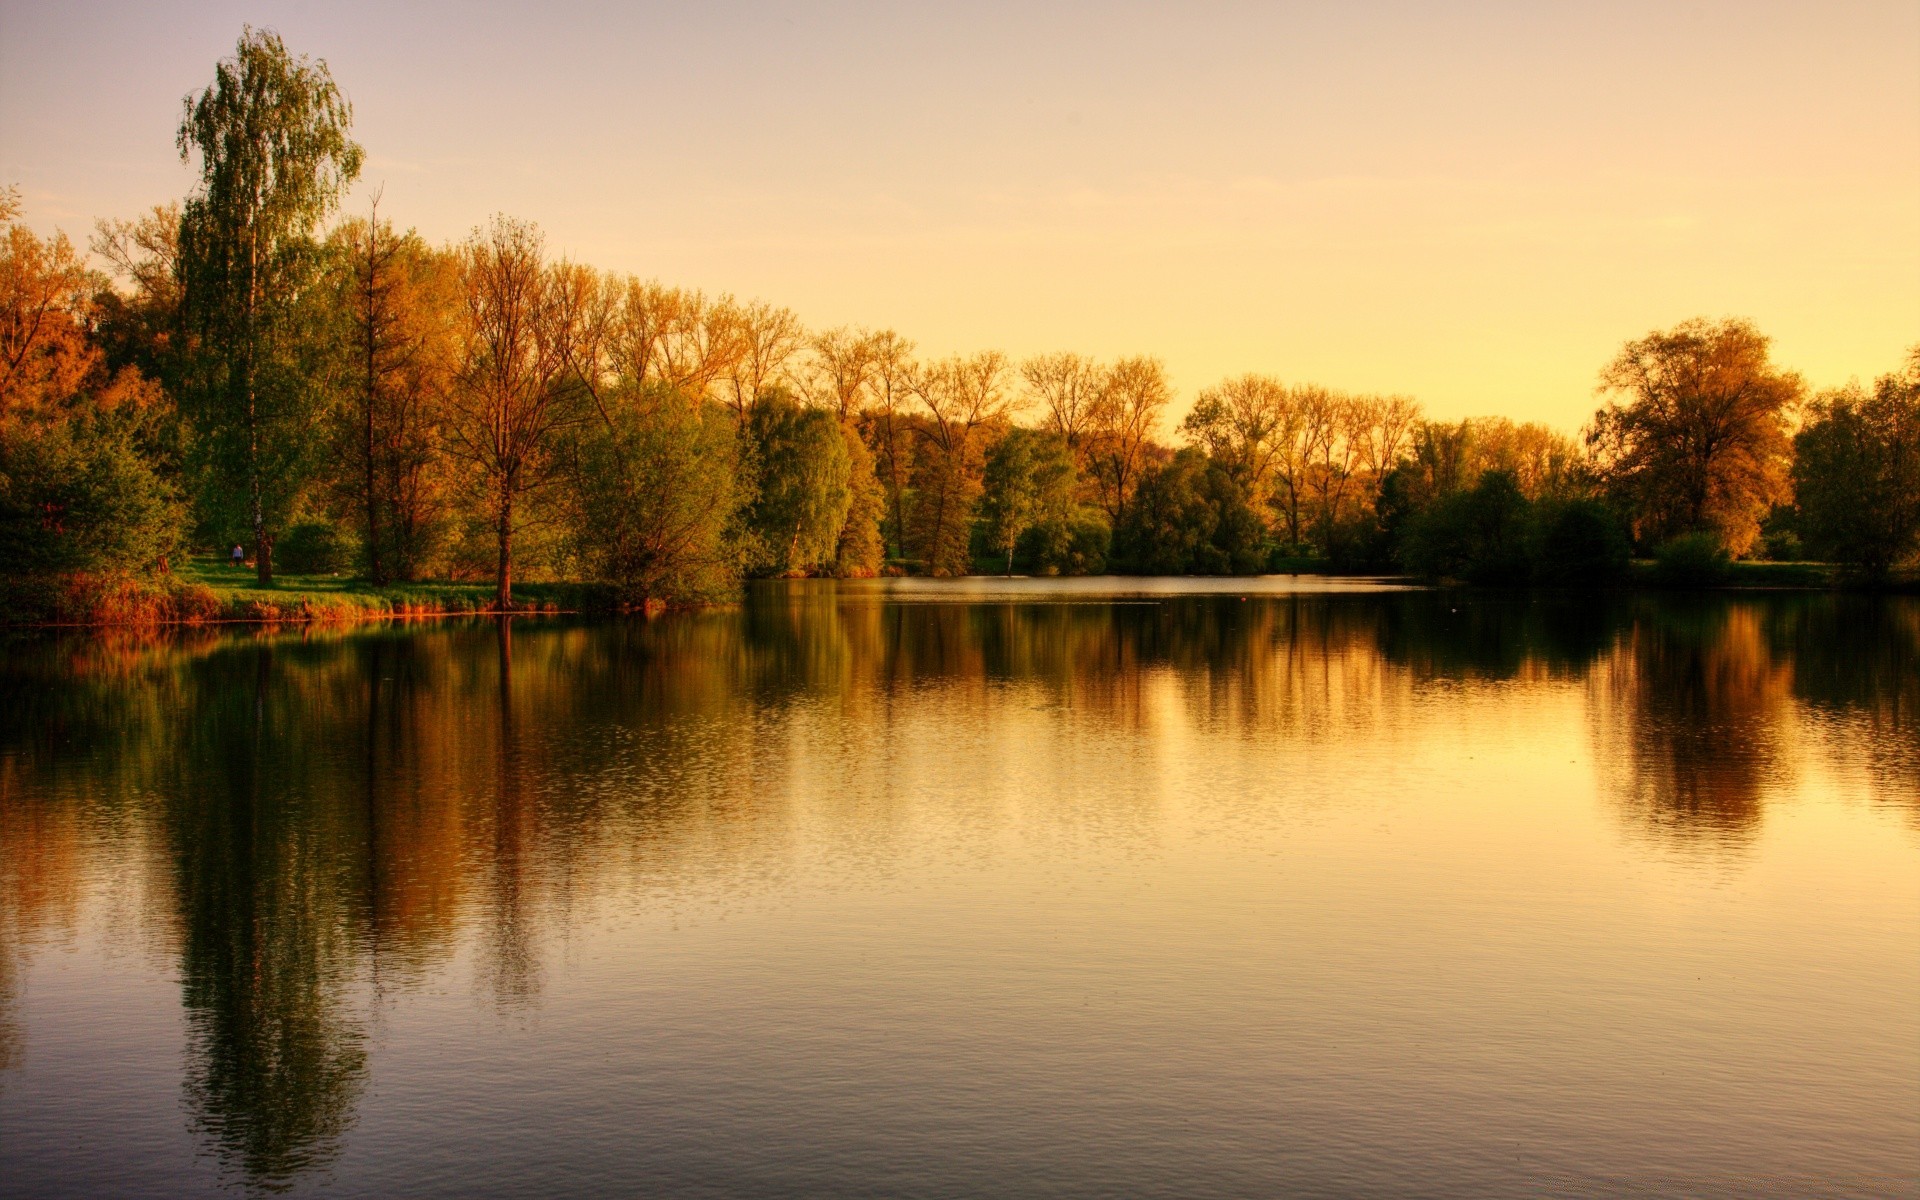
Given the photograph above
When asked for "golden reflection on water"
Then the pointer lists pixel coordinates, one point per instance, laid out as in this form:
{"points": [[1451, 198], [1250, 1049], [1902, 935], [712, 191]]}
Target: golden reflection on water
{"points": [[307, 826]]}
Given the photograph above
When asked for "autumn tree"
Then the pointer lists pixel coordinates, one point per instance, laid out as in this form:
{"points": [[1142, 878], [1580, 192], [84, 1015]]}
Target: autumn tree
{"points": [[400, 300], [271, 137], [890, 385], [1132, 396], [668, 337], [1244, 424], [45, 297], [1695, 439], [77, 491], [765, 339], [514, 385], [1069, 392], [1856, 472], [137, 317], [839, 371], [960, 397]]}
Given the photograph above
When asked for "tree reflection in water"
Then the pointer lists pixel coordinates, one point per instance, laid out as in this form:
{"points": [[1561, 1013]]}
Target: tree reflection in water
{"points": [[263, 863], [329, 812]]}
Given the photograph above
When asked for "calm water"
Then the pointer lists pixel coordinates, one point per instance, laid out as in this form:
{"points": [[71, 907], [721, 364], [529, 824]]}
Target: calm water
{"points": [[977, 889]]}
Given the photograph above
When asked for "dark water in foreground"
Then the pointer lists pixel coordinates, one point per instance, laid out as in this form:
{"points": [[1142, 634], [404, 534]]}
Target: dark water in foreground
{"points": [[976, 890]]}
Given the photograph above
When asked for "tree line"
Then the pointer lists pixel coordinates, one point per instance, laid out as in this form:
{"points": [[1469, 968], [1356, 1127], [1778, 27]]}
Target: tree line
{"points": [[330, 392]]}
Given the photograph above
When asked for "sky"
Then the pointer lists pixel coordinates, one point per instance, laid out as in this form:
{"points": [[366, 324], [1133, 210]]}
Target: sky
{"points": [[1472, 204]]}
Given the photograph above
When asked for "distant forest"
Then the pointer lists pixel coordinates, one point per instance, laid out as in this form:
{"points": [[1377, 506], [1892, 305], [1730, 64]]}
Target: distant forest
{"points": [[329, 393]]}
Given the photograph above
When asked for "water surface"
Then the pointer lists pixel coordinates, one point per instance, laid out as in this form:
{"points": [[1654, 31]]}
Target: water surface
{"points": [[991, 888]]}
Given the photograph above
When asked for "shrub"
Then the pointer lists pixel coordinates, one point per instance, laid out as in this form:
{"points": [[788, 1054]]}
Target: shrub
{"points": [[656, 491], [78, 496], [1076, 546], [1692, 560], [1579, 542], [1480, 536], [1189, 517], [313, 548]]}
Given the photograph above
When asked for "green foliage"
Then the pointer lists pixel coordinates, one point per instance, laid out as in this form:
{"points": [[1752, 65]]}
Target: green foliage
{"points": [[656, 490], [1579, 542], [802, 466], [1189, 517], [77, 495], [1029, 480], [1480, 535], [1492, 534], [1076, 545], [1856, 473], [1780, 535], [941, 505], [1692, 560], [271, 136], [859, 550], [315, 548]]}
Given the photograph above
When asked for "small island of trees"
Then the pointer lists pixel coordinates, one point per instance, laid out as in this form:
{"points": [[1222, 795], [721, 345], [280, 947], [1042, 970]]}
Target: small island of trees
{"points": [[330, 394]]}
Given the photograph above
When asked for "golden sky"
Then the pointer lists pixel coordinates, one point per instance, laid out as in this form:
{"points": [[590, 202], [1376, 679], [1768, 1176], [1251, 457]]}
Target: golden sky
{"points": [[1474, 204]]}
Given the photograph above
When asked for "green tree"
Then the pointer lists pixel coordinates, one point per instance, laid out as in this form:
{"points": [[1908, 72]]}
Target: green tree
{"points": [[1697, 440], [1189, 517], [77, 495], [656, 488], [1856, 472], [859, 549], [1480, 535], [1029, 480], [271, 135], [802, 467]]}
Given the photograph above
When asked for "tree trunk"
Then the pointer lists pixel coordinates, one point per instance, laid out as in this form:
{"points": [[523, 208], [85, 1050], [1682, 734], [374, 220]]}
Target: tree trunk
{"points": [[375, 566], [503, 591], [262, 540]]}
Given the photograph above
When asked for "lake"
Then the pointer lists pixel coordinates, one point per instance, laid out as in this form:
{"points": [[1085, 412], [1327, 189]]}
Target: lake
{"points": [[1040, 888]]}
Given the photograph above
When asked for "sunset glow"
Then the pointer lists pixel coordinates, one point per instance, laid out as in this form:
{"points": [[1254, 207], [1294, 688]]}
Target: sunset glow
{"points": [[1474, 206]]}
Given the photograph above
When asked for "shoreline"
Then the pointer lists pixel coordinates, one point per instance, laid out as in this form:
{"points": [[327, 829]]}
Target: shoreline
{"points": [[186, 603]]}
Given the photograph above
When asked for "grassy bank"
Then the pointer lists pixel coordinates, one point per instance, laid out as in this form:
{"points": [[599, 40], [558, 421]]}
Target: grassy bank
{"points": [[1751, 575], [205, 591]]}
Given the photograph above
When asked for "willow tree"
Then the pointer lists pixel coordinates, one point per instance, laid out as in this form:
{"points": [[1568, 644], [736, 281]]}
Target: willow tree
{"points": [[271, 136]]}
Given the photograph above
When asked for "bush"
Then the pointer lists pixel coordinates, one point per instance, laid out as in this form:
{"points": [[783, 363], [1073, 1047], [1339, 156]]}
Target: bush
{"points": [[1692, 560], [313, 548], [655, 494], [1579, 542], [1189, 517], [78, 496], [1071, 547], [1856, 474], [1480, 536]]}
